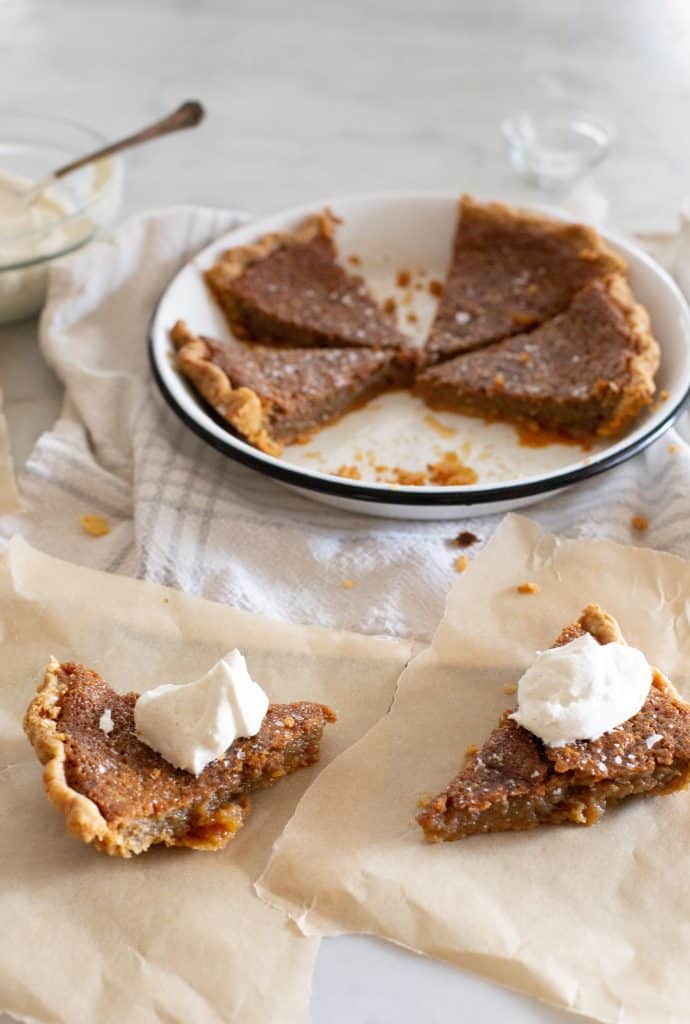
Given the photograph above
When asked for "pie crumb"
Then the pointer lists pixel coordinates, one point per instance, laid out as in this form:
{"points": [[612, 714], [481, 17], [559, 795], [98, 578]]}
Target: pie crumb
{"points": [[509, 689], [403, 278], [673, 449], [348, 584], [407, 477], [95, 526], [349, 472], [412, 317], [435, 288], [465, 539], [524, 357], [528, 588], [639, 523], [461, 563], [449, 471], [471, 750], [355, 261], [389, 305], [663, 395], [423, 799]]}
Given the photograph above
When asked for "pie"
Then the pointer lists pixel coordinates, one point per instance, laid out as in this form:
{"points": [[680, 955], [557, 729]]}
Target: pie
{"points": [[276, 396], [288, 288], [515, 782], [120, 795], [536, 324], [588, 371], [510, 271]]}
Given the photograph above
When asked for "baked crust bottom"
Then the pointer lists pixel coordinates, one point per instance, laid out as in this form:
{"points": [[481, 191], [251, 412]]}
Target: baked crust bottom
{"points": [[121, 796], [515, 782]]}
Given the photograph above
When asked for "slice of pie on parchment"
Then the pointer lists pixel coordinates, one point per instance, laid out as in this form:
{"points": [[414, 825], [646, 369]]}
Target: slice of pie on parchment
{"points": [[122, 796], [516, 782]]}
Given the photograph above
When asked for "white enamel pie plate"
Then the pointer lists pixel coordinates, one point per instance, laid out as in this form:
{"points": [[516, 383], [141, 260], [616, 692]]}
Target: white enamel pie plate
{"points": [[390, 233]]}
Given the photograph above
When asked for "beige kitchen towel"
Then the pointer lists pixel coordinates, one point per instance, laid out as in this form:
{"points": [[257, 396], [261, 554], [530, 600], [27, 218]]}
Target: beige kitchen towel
{"points": [[9, 501], [597, 920], [173, 935]]}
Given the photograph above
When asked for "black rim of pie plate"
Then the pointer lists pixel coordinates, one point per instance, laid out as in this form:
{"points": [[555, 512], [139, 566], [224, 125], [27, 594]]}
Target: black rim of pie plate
{"points": [[354, 490]]}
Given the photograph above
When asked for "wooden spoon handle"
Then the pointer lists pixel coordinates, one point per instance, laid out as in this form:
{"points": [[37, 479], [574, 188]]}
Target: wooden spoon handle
{"points": [[186, 116]]}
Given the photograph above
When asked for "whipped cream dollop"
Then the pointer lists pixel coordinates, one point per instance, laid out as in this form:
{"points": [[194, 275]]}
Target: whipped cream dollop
{"points": [[581, 690], [192, 724]]}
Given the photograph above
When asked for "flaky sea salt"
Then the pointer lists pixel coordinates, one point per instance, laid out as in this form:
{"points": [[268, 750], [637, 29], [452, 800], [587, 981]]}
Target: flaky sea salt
{"points": [[105, 722]]}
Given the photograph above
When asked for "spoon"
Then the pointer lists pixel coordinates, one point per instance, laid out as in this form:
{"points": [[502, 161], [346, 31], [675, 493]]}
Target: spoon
{"points": [[186, 116]]}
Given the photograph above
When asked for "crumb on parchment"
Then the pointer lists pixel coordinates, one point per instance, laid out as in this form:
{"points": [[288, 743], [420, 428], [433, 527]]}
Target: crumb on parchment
{"points": [[639, 523], [461, 563], [673, 449], [509, 689], [95, 526], [348, 584], [528, 588]]}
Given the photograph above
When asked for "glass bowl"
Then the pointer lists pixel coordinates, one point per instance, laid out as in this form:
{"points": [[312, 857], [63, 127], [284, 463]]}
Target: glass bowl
{"points": [[555, 147], [72, 212]]}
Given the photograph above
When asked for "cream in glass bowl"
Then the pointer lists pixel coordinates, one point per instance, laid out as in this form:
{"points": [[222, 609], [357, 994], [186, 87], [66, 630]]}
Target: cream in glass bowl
{"points": [[63, 218]]}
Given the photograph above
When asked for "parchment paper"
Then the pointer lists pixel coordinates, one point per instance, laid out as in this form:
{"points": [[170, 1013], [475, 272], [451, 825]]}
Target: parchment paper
{"points": [[9, 500], [593, 920], [174, 935]]}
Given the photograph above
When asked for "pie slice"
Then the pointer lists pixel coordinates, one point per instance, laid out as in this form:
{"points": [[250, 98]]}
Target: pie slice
{"points": [[289, 288], [276, 396], [120, 795], [515, 782], [589, 371], [510, 271]]}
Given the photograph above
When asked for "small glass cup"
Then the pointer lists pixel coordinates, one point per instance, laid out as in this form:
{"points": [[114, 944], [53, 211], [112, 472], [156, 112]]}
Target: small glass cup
{"points": [[555, 148]]}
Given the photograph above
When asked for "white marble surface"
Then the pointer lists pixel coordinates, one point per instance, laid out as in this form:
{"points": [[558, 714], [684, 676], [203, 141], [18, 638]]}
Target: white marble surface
{"points": [[309, 99]]}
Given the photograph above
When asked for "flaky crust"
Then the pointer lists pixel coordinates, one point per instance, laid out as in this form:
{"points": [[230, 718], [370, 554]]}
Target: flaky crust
{"points": [[639, 390], [84, 819], [234, 262], [241, 407]]}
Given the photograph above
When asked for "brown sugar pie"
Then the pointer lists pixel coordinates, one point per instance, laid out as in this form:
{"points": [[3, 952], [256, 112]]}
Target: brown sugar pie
{"points": [[275, 396], [587, 372], [122, 796], [516, 782], [536, 324]]}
